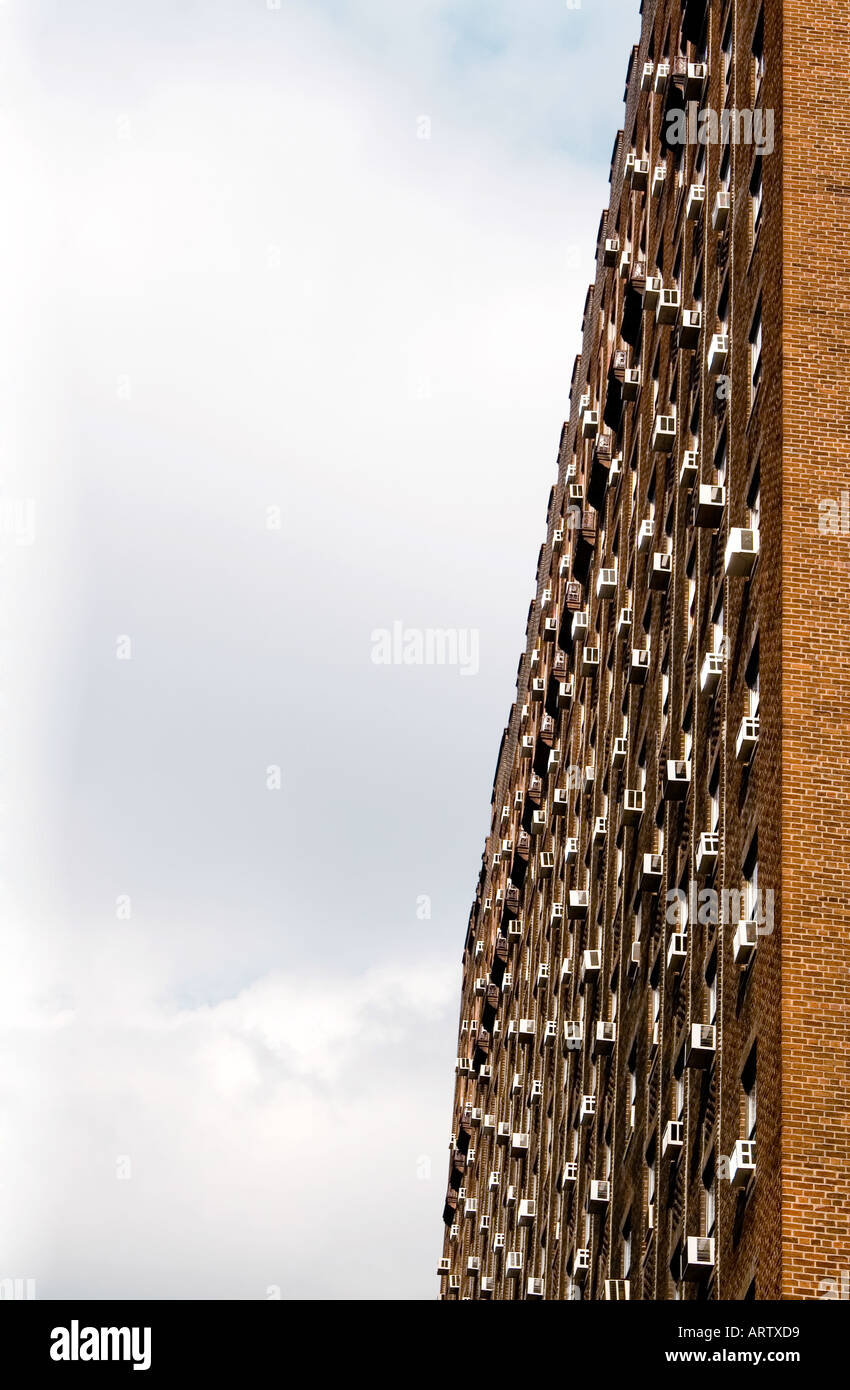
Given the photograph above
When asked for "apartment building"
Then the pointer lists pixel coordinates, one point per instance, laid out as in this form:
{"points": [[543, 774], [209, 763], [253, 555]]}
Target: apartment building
{"points": [[652, 1060]]}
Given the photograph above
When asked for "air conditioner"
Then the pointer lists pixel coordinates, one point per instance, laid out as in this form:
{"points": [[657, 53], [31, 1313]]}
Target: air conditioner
{"points": [[606, 1036], [527, 1212], [702, 1045], [640, 174], [606, 583], [575, 493], [516, 1084], [547, 864], [659, 176], [669, 304], [503, 1133], [454, 1231], [515, 930], [513, 1264], [589, 777], [639, 666], [587, 1109], [708, 848], [526, 745], [535, 658], [619, 753], [444, 1267], [652, 873], [538, 688], [589, 660], [633, 962], [557, 540], [744, 942], [486, 1287], [662, 569], [454, 1282], [550, 1032], [570, 850], [697, 75], [653, 286], [557, 913], [565, 693], [611, 250], [718, 353], [542, 974], [584, 401], [646, 531], [633, 803], [479, 949], [499, 1241], [747, 739], [600, 829], [519, 1144], [538, 822], [473, 1266], [624, 622], [720, 211], [489, 1124], [534, 1288], [630, 388], [647, 77], [581, 1264], [663, 433], [481, 983], [662, 73], [742, 1162], [566, 970], [689, 468], [463, 1064], [590, 424], [560, 800], [709, 504], [550, 629], [677, 951], [569, 1173], [699, 1259], [690, 328], [591, 964], [742, 550], [470, 1207], [578, 902], [673, 1138], [486, 1071], [507, 982], [710, 672], [572, 1035], [676, 779], [536, 1092], [695, 202], [617, 1289], [598, 1196]]}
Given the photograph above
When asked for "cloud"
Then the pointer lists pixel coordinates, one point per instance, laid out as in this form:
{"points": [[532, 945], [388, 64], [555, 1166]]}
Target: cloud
{"points": [[243, 280]]}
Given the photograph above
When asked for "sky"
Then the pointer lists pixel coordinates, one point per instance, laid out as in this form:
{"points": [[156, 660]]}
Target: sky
{"points": [[291, 297]]}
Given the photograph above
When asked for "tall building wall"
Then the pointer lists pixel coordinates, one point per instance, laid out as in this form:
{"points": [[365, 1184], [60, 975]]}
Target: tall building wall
{"points": [[636, 1088]]}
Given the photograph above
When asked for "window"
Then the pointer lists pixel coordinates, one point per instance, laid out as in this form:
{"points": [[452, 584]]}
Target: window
{"points": [[752, 678], [627, 1247], [727, 51], [725, 171], [751, 881], [632, 1087], [720, 460], [714, 799], [758, 55], [748, 1088], [651, 1178], [754, 499], [756, 198], [755, 351], [717, 625], [692, 590], [709, 1199], [679, 1096], [711, 990]]}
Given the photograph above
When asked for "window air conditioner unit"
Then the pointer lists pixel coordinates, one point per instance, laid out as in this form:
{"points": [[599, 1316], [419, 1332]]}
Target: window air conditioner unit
{"points": [[690, 328], [454, 1282], [526, 745], [557, 913], [575, 492], [570, 1173], [473, 1266], [640, 174], [742, 1162], [565, 693], [695, 202], [710, 672], [489, 1124], [536, 1092], [481, 984], [702, 1045], [606, 1036], [538, 822], [587, 1109], [542, 974], [677, 779], [547, 864], [633, 804], [591, 964], [677, 952], [633, 962], [606, 583], [631, 385], [747, 739], [600, 829], [624, 622], [669, 304], [550, 1032], [646, 531], [581, 1265], [663, 433], [742, 550], [515, 930], [708, 848], [503, 1133], [578, 903], [534, 1288], [651, 291], [513, 1264], [699, 1259], [652, 873], [599, 1196], [690, 467], [744, 943], [662, 73], [570, 850], [720, 211], [611, 251], [617, 1289], [516, 1084], [709, 504], [589, 661], [572, 1035], [487, 1285], [647, 77], [639, 667], [519, 1144], [499, 1241], [444, 1267], [659, 178], [590, 424], [526, 1029], [662, 569], [673, 1138], [558, 540], [619, 753], [566, 970], [718, 353], [527, 1212]]}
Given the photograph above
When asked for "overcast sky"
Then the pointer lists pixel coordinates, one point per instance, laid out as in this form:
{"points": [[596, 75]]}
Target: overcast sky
{"points": [[321, 265]]}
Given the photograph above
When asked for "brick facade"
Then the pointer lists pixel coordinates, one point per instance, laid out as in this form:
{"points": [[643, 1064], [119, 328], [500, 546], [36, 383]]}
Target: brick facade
{"points": [[620, 1067]]}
